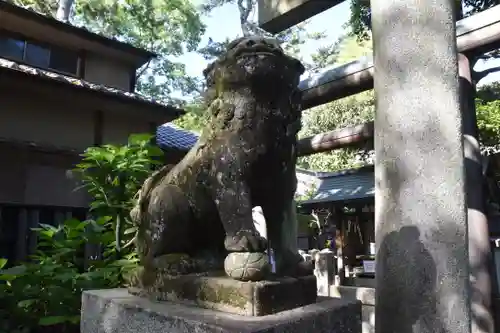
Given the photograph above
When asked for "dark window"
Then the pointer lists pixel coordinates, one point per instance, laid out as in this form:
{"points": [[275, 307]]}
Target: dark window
{"points": [[11, 48], [133, 81], [37, 55], [64, 61], [9, 233]]}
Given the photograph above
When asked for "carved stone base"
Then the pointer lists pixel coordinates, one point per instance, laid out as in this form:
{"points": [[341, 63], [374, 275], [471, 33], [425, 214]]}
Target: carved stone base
{"points": [[219, 292]]}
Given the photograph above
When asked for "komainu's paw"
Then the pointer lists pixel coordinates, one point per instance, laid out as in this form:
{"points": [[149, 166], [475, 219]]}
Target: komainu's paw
{"points": [[293, 264], [247, 266], [245, 241], [304, 268]]}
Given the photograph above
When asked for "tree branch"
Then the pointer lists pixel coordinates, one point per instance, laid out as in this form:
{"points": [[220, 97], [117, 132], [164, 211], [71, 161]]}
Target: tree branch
{"points": [[244, 13], [139, 74], [490, 54], [478, 76]]}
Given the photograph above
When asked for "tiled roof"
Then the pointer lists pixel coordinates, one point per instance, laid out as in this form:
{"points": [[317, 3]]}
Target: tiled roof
{"points": [[356, 183], [346, 185], [78, 83], [40, 146], [171, 136]]}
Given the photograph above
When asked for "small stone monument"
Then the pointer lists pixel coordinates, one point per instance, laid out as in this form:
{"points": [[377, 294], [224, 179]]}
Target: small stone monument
{"points": [[204, 267], [324, 271], [313, 253]]}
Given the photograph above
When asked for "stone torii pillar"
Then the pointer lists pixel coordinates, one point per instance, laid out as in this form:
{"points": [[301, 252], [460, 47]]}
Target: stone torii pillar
{"points": [[422, 270]]}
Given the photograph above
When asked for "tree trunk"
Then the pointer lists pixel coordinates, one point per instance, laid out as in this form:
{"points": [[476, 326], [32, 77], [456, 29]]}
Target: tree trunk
{"points": [[64, 10]]}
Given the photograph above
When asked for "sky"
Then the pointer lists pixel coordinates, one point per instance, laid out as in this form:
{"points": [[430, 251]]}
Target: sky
{"points": [[223, 22]]}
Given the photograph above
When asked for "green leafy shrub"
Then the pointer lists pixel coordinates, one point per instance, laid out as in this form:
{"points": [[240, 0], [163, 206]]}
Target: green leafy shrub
{"points": [[112, 175], [46, 291], [44, 294]]}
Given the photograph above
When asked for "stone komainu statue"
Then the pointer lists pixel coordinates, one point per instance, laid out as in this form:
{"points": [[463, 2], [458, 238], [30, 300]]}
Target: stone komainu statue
{"points": [[245, 157]]}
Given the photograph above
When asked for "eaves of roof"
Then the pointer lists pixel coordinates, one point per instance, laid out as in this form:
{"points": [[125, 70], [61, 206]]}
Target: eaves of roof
{"points": [[8, 65]]}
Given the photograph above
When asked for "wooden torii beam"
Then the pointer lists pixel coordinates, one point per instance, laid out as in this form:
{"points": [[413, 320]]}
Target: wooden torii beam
{"points": [[480, 31], [278, 15], [336, 139], [339, 138]]}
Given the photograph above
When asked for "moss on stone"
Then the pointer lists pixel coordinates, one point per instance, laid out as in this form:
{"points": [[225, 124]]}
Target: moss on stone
{"points": [[134, 276], [222, 294]]}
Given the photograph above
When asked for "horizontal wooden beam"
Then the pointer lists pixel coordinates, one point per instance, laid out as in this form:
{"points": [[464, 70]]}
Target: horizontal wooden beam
{"points": [[340, 138], [278, 15], [338, 82], [481, 30]]}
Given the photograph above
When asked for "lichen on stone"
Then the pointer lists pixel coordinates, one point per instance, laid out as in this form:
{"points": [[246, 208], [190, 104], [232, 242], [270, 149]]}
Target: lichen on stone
{"points": [[221, 294]]}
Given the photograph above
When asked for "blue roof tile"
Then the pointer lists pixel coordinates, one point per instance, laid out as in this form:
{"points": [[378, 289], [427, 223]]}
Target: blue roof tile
{"points": [[345, 186], [171, 136]]}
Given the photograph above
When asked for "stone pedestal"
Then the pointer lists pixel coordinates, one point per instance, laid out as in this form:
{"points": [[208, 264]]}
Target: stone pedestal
{"points": [[221, 293], [117, 311]]}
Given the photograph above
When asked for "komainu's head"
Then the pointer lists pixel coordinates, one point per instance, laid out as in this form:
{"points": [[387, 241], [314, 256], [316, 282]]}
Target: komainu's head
{"points": [[254, 62]]}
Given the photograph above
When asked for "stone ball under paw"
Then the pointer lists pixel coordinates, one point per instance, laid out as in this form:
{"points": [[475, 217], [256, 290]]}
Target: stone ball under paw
{"points": [[247, 266]]}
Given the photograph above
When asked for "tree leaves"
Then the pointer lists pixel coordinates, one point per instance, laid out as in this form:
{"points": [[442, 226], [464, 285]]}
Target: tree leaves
{"points": [[52, 320], [195, 119], [488, 114], [46, 7], [360, 20], [3, 262], [166, 27], [113, 175]]}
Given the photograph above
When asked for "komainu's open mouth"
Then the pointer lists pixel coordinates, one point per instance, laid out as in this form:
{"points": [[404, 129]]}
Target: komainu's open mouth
{"points": [[256, 50], [248, 51], [249, 54]]}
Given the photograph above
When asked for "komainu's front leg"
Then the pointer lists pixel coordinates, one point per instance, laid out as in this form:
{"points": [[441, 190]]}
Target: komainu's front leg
{"points": [[247, 259], [281, 222]]}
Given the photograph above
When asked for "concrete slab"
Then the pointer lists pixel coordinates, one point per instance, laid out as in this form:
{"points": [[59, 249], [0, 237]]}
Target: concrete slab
{"points": [[115, 310]]}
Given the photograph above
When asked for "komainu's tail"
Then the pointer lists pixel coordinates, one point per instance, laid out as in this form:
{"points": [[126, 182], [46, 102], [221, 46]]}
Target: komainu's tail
{"points": [[144, 193]]}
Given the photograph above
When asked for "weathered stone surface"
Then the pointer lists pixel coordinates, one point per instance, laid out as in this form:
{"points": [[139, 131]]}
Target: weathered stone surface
{"points": [[116, 311], [422, 269], [367, 298], [244, 158], [324, 271], [313, 253], [247, 266], [216, 291]]}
